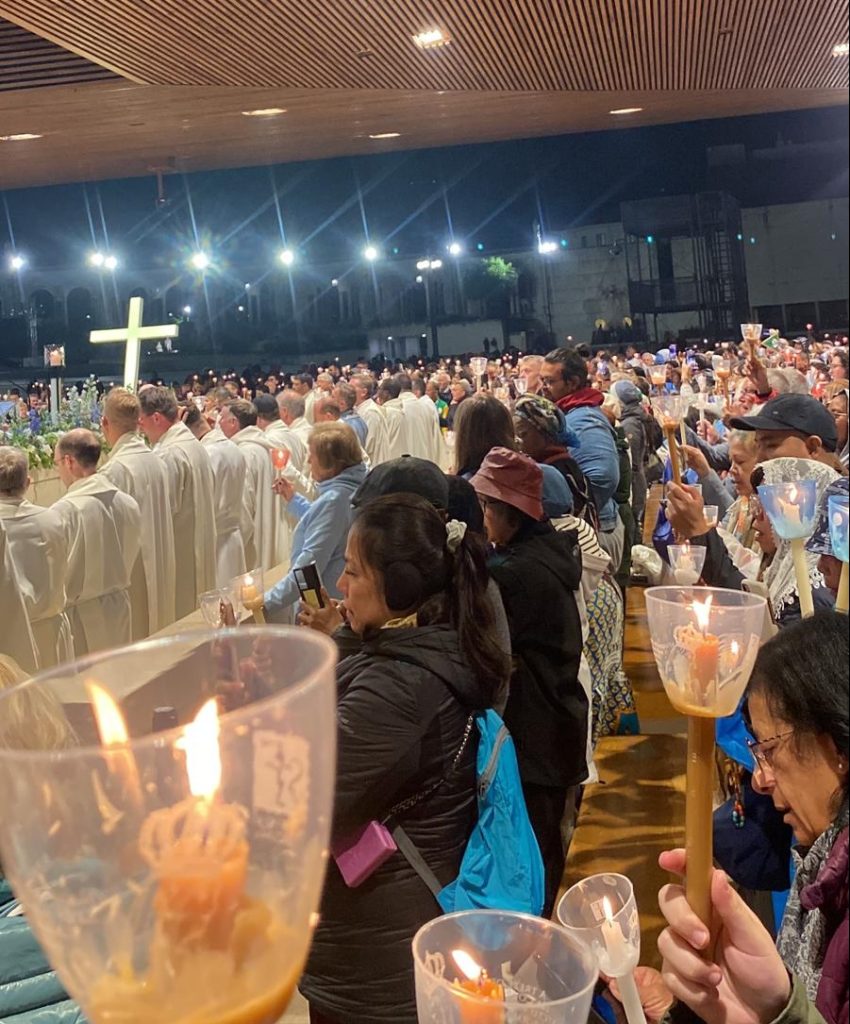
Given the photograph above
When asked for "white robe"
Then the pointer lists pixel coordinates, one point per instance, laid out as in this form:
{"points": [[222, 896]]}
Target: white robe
{"points": [[297, 470], [424, 437], [230, 471], [103, 526], [394, 418], [302, 428], [377, 442], [40, 553], [310, 406], [264, 529], [16, 639], [134, 469], [193, 505]]}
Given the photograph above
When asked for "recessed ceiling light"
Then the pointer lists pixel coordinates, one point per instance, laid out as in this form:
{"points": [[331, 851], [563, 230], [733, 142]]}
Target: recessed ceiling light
{"points": [[431, 38], [264, 112], [626, 110], [841, 50], [386, 135], [21, 137]]}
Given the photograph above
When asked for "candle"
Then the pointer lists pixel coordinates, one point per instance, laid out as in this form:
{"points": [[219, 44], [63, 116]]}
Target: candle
{"points": [[206, 927], [790, 510], [488, 1007], [280, 458], [252, 598], [619, 957]]}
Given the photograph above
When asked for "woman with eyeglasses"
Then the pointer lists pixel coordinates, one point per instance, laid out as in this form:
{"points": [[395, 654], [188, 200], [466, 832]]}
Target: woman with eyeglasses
{"points": [[799, 713]]}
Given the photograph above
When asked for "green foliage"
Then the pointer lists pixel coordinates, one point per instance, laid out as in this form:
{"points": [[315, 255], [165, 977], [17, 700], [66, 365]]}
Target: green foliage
{"points": [[491, 279]]}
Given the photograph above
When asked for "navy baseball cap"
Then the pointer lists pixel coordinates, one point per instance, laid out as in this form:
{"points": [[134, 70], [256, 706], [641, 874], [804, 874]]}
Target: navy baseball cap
{"points": [[407, 475], [801, 413]]}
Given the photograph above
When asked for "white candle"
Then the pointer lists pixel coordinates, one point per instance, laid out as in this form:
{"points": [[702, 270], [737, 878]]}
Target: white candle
{"points": [[615, 941]]}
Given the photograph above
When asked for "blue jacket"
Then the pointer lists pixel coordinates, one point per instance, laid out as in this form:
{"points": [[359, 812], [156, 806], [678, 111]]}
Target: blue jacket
{"points": [[320, 535], [596, 454], [30, 992], [357, 424]]}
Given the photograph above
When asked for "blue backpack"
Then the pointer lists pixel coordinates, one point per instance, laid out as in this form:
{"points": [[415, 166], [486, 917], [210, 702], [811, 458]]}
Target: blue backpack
{"points": [[501, 867]]}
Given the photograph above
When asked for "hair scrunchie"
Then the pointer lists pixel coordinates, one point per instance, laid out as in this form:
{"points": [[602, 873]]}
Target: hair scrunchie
{"points": [[455, 532]]}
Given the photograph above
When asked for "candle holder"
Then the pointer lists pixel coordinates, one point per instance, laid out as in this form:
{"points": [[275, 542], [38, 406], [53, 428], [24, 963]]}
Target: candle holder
{"points": [[478, 365], [217, 608], [669, 411], [520, 386], [658, 376], [711, 514], [173, 877], [751, 333], [838, 509], [705, 641], [248, 589], [280, 460], [601, 912], [687, 563], [723, 371], [792, 509], [495, 967]]}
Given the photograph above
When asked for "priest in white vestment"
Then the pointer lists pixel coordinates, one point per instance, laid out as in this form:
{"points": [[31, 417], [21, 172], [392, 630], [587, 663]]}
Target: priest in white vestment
{"points": [[291, 407], [302, 385], [296, 470], [377, 442], [103, 528], [134, 469], [16, 639], [423, 421], [230, 473], [265, 531], [392, 407], [39, 551], [192, 500]]}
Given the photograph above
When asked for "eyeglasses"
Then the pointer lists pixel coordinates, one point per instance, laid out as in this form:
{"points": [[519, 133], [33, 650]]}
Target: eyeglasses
{"points": [[763, 750]]}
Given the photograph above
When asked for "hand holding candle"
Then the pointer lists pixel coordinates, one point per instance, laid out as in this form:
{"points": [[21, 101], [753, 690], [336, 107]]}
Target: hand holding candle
{"points": [[249, 588], [792, 511]]}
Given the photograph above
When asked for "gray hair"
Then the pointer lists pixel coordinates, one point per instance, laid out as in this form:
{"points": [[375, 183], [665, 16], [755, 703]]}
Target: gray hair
{"points": [[364, 381], [14, 472], [787, 381], [745, 438], [158, 399], [347, 396], [291, 403]]}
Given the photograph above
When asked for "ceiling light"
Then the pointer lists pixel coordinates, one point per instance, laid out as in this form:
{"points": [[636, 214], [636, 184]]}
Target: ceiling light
{"points": [[841, 50], [455, 249], [431, 39], [264, 112], [287, 257], [111, 263], [544, 248], [17, 262], [371, 253], [386, 135], [96, 259], [626, 110], [21, 137], [200, 261]]}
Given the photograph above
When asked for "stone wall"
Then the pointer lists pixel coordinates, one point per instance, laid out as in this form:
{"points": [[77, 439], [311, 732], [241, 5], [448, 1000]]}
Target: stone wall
{"points": [[46, 487]]}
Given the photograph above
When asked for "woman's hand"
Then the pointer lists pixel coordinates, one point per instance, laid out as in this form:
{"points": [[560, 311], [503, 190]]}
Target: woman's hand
{"points": [[284, 488], [655, 998], [685, 511], [707, 432], [696, 460], [744, 981], [325, 620]]}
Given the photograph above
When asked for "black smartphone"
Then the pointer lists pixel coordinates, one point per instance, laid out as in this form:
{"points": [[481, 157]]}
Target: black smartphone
{"points": [[309, 585]]}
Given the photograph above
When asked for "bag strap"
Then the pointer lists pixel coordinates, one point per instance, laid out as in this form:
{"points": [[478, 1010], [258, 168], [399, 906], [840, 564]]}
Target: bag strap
{"points": [[408, 849], [412, 801]]}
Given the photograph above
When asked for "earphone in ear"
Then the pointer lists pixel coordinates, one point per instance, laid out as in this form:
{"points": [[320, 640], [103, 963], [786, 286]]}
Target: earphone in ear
{"points": [[403, 586]]}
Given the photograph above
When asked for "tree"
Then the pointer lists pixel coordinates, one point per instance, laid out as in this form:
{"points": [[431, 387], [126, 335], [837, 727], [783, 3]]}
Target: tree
{"points": [[492, 282]]}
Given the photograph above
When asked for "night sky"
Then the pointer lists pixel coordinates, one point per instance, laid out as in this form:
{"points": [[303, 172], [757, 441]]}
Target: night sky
{"points": [[417, 200]]}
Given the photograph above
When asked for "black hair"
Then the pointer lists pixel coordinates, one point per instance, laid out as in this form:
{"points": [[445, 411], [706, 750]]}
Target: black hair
{"points": [[403, 539], [390, 386], [266, 406], [803, 675], [464, 504], [573, 365]]}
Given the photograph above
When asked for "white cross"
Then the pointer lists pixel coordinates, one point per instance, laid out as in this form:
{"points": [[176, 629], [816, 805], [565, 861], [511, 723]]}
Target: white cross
{"points": [[132, 334]]}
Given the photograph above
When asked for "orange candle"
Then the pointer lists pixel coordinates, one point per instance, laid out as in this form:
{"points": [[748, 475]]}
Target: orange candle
{"points": [[489, 1005], [280, 458]]}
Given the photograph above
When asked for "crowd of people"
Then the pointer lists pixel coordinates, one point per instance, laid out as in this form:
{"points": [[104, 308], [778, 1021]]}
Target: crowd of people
{"points": [[473, 524]]}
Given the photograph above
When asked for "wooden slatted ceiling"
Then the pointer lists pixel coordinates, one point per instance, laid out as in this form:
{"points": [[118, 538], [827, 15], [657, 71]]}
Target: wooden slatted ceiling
{"points": [[28, 62], [519, 45], [113, 130]]}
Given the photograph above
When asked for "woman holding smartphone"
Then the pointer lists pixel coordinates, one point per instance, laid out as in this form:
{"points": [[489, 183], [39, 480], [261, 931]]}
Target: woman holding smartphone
{"points": [[414, 593]]}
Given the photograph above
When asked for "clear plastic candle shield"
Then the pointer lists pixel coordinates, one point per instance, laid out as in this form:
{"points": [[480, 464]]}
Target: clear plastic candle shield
{"points": [[792, 508], [687, 562], [539, 972], [173, 877], [839, 526], [752, 333], [602, 913], [669, 410], [705, 641]]}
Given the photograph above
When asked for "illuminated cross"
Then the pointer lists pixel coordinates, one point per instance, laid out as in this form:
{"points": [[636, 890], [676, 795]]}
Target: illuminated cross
{"points": [[131, 335]]}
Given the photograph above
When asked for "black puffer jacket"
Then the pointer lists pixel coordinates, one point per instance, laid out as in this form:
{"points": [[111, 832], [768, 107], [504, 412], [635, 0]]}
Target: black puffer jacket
{"points": [[404, 701], [538, 575]]}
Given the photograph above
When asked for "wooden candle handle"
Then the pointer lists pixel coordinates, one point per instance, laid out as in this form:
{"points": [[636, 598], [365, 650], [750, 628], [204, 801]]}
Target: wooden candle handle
{"points": [[842, 601], [698, 816], [804, 584], [259, 616], [673, 446]]}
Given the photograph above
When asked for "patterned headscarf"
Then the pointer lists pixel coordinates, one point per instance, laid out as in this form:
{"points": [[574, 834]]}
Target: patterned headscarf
{"points": [[546, 417]]}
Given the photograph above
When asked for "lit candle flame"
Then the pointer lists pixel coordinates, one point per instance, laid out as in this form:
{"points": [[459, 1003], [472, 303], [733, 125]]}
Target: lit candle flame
{"points": [[467, 965], [607, 910], [203, 756], [735, 648], [111, 726], [702, 612]]}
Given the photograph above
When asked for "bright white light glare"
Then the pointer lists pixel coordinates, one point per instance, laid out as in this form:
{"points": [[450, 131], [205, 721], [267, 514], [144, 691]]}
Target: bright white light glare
{"points": [[287, 257], [419, 279], [455, 249], [200, 261], [334, 283], [436, 264], [841, 50], [240, 309], [96, 259], [626, 110], [371, 253], [111, 263], [431, 38], [544, 248], [422, 264], [17, 262], [386, 135], [264, 112], [187, 310], [20, 137]]}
